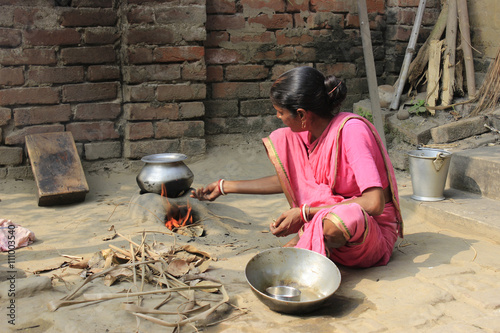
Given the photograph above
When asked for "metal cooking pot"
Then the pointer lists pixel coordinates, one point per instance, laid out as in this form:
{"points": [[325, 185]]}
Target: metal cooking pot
{"points": [[166, 169], [315, 276]]}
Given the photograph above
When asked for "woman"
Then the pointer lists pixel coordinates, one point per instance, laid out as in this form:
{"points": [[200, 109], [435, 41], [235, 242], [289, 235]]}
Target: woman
{"points": [[334, 171]]}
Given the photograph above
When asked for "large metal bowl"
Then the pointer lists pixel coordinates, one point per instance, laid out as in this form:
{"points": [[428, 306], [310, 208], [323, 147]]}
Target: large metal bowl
{"points": [[316, 276]]}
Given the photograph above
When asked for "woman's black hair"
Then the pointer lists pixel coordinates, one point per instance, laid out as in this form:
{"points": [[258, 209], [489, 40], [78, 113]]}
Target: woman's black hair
{"points": [[307, 88]]}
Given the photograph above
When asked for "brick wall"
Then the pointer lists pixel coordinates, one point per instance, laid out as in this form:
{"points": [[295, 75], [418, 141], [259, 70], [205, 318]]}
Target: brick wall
{"points": [[135, 77], [126, 78]]}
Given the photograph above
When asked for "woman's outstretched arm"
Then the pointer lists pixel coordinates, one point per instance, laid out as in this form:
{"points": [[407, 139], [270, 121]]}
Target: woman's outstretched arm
{"points": [[265, 185]]}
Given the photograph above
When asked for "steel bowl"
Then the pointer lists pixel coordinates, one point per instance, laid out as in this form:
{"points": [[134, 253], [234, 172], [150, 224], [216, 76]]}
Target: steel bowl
{"points": [[315, 276]]}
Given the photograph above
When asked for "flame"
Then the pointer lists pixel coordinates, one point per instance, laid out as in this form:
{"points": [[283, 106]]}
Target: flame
{"points": [[177, 216]]}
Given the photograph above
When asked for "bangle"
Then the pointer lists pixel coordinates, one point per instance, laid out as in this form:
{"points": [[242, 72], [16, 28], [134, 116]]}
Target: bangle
{"points": [[221, 188], [303, 214]]}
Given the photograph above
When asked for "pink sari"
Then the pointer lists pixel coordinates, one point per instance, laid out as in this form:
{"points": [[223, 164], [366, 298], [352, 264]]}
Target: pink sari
{"points": [[308, 174]]}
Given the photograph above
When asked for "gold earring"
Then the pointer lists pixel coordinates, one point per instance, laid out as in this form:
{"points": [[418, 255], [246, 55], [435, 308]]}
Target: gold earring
{"points": [[303, 124]]}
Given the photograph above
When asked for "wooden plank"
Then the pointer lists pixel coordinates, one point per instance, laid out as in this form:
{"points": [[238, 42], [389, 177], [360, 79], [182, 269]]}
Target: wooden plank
{"points": [[370, 69], [434, 72], [57, 168], [463, 19], [448, 86]]}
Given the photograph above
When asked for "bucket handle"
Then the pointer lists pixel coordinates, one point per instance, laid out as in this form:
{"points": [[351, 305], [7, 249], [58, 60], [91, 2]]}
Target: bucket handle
{"points": [[438, 162]]}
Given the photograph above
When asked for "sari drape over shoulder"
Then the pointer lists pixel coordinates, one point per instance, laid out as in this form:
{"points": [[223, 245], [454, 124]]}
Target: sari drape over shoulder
{"points": [[309, 174]]}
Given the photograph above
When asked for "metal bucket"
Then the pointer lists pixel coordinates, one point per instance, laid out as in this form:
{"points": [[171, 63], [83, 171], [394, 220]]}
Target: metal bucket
{"points": [[428, 170]]}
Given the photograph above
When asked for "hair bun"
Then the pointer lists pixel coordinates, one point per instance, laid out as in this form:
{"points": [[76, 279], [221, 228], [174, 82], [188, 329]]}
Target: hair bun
{"points": [[336, 90]]}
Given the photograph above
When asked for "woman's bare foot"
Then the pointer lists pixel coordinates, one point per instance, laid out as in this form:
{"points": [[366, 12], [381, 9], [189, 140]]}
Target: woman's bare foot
{"points": [[292, 242]]}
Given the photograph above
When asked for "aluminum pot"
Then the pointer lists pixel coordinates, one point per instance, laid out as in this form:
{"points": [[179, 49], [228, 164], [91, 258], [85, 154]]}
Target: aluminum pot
{"points": [[166, 169], [315, 276]]}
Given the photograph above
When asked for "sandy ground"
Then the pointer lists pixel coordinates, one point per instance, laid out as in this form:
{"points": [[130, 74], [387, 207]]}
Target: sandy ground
{"points": [[437, 280]]}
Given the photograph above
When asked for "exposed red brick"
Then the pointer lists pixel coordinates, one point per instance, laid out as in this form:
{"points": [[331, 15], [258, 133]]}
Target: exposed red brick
{"points": [[87, 92], [88, 17], [11, 76], [334, 6], [179, 129], [278, 6], [27, 57], [246, 72], [223, 56], [276, 21], [140, 55], [181, 92], [42, 115], [178, 53], [97, 111], [93, 131], [375, 6], [88, 55], [24, 96], [103, 73], [146, 111], [221, 7], [17, 137], [10, 37], [230, 90], [139, 131], [215, 73], [150, 36], [55, 74], [52, 37], [225, 22], [100, 36], [293, 6], [141, 15]]}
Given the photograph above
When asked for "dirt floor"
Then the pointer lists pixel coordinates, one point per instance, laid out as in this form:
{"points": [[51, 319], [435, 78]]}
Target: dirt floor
{"points": [[437, 280]]}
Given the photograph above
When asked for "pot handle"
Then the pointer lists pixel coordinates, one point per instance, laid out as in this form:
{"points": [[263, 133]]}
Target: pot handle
{"points": [[438, 162]]}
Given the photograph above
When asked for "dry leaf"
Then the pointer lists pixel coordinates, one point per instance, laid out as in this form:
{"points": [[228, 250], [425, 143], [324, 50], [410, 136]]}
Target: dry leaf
{"points": [[80, 265], [202, 268], [178, 267], [193, 249]]}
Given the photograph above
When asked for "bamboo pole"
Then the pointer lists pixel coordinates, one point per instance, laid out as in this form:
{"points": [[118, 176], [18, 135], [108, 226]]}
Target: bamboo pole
{"points": [[370, 69], [418, 65], [463, 20], [408, 56], [449, 56]]}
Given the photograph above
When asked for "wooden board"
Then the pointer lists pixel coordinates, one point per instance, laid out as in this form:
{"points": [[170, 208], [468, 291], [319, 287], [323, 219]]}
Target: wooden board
{"points": [[57, 168]]}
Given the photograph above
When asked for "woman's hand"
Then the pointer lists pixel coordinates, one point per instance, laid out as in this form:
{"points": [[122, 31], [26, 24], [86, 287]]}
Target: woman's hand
{"points": [[288, 223], [207, 193]]}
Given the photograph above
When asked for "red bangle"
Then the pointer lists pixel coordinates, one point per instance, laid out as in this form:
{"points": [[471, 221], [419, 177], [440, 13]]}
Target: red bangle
{"points": [[303, 216]]}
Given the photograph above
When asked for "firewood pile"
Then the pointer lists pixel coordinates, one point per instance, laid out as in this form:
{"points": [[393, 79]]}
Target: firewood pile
{"points": [[159, 270], [444, 57]]}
